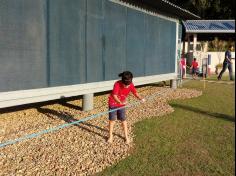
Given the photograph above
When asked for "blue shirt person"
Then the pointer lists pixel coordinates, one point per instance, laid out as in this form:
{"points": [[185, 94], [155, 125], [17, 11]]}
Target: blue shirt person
{"points": [[228, 57], [227, 64]]}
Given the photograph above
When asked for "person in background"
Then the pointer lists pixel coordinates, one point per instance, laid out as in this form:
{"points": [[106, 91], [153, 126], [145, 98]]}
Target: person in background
{"points": [[117, 99], [194, 68], [227, 64], [183, 66]]}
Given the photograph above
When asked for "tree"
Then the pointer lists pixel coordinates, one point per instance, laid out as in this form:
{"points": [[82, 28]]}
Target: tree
{"points": [[209, 9]]}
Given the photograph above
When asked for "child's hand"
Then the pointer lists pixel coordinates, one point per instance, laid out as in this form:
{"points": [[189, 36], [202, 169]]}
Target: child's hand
{"points": [[124, 103], [143, 100]]}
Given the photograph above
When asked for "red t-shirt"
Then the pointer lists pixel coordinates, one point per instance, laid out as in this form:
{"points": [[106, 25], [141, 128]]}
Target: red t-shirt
{"points": [[195, 64], [183, 63], [122, 92]]}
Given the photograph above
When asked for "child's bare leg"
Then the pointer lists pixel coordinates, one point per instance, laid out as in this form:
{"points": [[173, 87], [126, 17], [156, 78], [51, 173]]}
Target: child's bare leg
{"points": [[124, 125], [111, 126]]}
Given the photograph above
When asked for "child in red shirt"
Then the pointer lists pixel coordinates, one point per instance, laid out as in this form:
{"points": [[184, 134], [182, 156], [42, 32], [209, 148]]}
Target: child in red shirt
{"points": [[194, 68], [183, 67], [117, 99]]}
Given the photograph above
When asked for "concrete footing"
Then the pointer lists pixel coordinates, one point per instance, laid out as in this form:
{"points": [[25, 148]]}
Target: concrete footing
{"points": [[87, 103], [173, 84]]}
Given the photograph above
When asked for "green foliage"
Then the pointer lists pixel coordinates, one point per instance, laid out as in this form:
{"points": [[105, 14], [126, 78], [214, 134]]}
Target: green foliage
{"points": [[209, 9], [219, 45], [220, 65]]}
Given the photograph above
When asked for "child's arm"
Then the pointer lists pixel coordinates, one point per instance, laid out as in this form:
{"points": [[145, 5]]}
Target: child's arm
{"points": [[228, 58], [118, 100], [135, 93], [139, 97]]}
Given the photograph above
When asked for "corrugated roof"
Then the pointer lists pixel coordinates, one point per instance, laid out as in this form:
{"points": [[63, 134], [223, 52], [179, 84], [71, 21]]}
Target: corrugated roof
{"points": [[164, 7], [209, 26]]}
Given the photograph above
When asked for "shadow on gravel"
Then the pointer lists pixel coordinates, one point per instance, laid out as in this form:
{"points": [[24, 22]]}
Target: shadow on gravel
{"points": [[160, 84], [211, 114], [63, 101], [68, 118], [69, 105]]}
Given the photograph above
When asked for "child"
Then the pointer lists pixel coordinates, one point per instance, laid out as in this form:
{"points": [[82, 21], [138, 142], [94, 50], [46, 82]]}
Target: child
{"points": [[194, 68], [117, 99], [183, 67]]}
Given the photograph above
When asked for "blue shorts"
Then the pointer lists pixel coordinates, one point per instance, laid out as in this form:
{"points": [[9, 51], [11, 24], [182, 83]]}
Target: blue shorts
{"points": [[119, 114], [194, 71]]}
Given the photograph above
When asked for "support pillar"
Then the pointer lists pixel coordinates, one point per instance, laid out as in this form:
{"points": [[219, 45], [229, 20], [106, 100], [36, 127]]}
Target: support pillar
{"points": [[173, 84], [184, 43], [188, 43], [194, 45], [87, 102]]}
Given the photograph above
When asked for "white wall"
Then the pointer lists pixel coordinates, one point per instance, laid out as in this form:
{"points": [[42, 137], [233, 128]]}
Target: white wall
{"points": [[218, 57], [14, 98]]}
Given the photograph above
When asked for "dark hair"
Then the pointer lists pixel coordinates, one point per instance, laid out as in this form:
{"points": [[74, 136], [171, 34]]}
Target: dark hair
{"points": [[126, 77]]}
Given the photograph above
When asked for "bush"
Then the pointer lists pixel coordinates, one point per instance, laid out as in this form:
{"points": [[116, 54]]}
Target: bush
{"points": [[218, 67]]}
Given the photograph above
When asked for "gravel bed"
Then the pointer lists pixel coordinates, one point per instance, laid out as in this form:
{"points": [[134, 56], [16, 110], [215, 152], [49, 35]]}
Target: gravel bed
{"points": [[79, 149]]}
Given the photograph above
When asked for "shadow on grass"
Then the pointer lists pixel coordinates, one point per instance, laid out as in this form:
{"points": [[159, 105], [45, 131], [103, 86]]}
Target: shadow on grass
{"points": [[197, 110], [68, 118]]}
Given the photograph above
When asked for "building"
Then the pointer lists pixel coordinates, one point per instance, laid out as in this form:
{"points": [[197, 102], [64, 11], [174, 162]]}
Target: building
{"points": [[198, 31], [51, 49]]}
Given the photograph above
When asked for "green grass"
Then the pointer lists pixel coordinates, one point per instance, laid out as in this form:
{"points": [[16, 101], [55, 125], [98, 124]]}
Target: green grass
{"points": [[224, 78], [197, 139]]}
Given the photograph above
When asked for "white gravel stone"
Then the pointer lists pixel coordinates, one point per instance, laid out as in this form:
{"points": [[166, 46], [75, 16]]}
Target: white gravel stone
{"points": [[80, 149]]}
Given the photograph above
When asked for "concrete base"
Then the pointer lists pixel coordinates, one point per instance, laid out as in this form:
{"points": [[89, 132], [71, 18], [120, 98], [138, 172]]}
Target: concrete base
{"points": [[87, 102], [22, 97], [173, 84]]}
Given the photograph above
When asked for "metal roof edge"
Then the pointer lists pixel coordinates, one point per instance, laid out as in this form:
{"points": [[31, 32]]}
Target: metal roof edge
{"points": [[186, 11], [161, 7], [144, 10]]}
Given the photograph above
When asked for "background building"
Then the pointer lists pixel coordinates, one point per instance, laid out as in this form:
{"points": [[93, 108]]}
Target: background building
{"points": [[199, 34]]}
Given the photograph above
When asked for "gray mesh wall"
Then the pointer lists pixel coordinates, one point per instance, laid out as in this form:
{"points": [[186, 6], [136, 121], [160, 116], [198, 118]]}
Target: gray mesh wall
{"points": [[66, 42], [22, 45], [48, 43], [115, 40], [135, 50], [95, 41]]}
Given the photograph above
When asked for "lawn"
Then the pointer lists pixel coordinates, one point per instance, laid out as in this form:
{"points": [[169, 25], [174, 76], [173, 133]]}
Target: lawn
{"points": [[197, 139], [224, 78]]}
